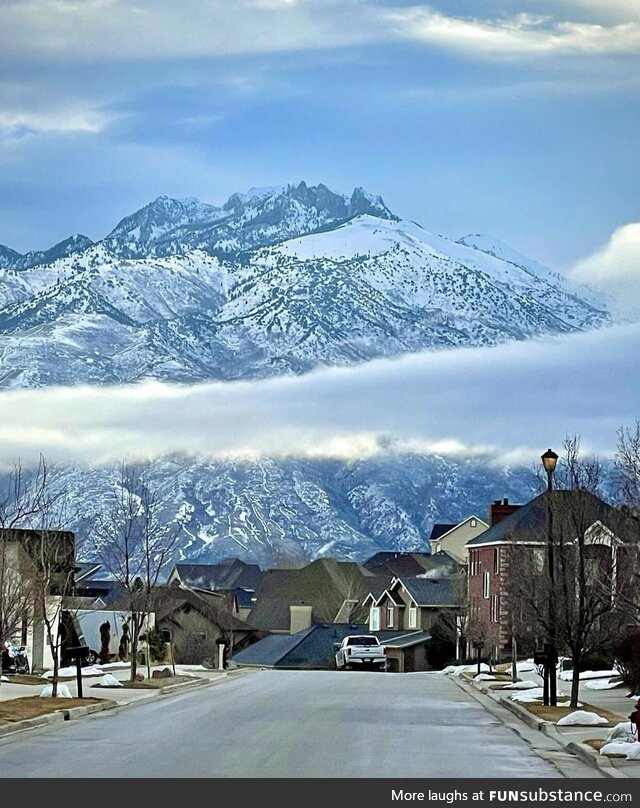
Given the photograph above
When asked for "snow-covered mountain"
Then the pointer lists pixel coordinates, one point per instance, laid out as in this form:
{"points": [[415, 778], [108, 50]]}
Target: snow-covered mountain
{"points": [[275, 281], [10, 259], [286, 511], [261, 216]]}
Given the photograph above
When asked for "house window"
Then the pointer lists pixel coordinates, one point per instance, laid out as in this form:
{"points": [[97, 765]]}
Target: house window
{"points": [[474, 523], [389, 616], [374, 618], [485, 585], [496, 559], [413, 617], [495, 609], [538, 560]]}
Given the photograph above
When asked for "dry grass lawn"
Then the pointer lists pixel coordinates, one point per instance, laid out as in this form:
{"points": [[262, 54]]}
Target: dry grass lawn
{"points": [[14, 710], [555, 713], [151, 684]]}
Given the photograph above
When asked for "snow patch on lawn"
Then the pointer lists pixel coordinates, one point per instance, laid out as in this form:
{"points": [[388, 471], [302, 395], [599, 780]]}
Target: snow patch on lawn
{"points": [[484, 677], [631, 751], [63, 692], [520, 686], [567, 676], [457, 670], [109, 680], [581, 718], [598, 684], [90, 670], [622, 732]]}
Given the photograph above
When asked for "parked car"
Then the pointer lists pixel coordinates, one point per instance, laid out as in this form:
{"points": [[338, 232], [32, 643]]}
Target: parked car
{"points": [[360, 651]]}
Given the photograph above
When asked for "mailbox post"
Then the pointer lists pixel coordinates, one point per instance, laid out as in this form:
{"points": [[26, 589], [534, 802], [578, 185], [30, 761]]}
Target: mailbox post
{"points": [[78, 653]]}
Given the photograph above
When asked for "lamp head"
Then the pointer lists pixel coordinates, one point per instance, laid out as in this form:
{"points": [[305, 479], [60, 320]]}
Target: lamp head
{"points": [[549, 461]]}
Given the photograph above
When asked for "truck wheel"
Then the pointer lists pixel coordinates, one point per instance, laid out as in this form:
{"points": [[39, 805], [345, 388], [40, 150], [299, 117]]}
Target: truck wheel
{"points": [[92, 657]]}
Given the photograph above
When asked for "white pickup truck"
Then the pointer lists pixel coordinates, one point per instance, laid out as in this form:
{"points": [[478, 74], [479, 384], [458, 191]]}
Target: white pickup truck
{"points": [[360, 651]]}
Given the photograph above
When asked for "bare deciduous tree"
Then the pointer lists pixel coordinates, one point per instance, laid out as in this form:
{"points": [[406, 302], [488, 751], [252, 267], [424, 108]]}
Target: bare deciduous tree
{"points": [[135, 546]]}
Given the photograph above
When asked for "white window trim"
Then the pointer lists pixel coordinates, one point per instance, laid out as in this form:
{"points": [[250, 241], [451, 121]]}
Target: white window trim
{"points": [[391, 615], [486, 585], [374, 618]]}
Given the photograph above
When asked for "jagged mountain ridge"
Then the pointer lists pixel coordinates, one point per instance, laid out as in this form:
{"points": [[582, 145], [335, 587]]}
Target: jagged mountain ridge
{"points": [[343, 280]]}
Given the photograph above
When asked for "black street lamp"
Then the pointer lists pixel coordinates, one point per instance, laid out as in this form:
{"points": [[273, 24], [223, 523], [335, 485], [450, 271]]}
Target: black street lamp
{"points": [[549, 461], [550, 694]]}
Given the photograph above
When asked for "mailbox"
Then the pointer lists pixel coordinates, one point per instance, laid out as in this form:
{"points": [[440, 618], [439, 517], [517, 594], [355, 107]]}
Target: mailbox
{"points": [[78, 652]]}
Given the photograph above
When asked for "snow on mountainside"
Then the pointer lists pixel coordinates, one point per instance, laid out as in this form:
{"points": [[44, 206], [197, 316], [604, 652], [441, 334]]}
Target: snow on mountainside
{"points": [[354, 283], [261, 216], [274, 512], [277, 280]]}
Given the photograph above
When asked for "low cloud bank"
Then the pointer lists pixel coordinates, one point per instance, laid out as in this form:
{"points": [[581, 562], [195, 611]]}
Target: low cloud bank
{"points": [[508, 402]]}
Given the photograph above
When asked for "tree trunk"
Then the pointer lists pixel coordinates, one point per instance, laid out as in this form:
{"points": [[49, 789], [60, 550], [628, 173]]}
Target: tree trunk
{"points": [[575, 679], [134, 646]]}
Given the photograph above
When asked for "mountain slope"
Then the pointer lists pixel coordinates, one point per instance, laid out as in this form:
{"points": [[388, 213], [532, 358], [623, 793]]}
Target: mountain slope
{"points": [[364, 288], [278, 512]]}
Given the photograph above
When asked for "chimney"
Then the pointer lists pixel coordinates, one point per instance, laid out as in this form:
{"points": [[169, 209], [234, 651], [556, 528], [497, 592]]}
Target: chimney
{"points": [[500, 509], [300, 618]]}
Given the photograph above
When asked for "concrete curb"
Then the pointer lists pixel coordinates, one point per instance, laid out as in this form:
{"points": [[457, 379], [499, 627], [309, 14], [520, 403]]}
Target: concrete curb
{"points": [[585, 753], [74, 713]]}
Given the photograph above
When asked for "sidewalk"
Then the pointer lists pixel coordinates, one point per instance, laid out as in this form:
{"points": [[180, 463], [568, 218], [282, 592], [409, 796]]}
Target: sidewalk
{"points": [[573, 738], [120, 695], [111, 698]]}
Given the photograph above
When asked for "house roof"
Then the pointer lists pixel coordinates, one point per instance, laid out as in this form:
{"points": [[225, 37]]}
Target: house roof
{"points": [[439, 529], [169, 600], [228, 574], [396, 564], [446, 556], [572, 512], [314, 647], [408, 639], [324, 585], [429, 591]]}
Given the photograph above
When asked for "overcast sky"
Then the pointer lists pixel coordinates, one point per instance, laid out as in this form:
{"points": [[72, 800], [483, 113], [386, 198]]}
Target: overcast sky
{"points": [[517, 118], [508, 403]]}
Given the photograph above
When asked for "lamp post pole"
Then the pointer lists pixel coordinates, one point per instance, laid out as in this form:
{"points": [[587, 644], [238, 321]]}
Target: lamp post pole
{"points": [[550, 696]]}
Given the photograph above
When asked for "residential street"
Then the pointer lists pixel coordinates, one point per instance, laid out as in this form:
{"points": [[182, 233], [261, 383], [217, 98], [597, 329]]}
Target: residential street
{"points": [[287, 724]]}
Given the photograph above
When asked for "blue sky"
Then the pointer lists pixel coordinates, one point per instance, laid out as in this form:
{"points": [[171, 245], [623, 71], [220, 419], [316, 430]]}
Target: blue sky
{"points": [[518, 119]]}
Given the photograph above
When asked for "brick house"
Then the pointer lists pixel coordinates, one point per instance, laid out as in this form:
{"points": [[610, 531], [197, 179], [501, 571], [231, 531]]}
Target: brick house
{"points": [[518, 536]]}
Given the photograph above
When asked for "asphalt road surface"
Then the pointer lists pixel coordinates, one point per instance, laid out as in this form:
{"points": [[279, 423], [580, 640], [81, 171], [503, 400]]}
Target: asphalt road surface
{"points": [[286, 724]]}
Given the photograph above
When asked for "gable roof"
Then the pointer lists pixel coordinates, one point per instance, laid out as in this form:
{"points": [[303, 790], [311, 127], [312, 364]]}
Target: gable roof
{"points": [[395, 563], [324, 585], [169, 600], [439, 529], [572, 512], [428, 591]]}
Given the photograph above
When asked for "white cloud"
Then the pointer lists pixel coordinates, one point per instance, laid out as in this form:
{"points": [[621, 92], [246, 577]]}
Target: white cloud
{"points": [[519, 35], [509, 402], [120, 30], [65, 119], [615, 267]]}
